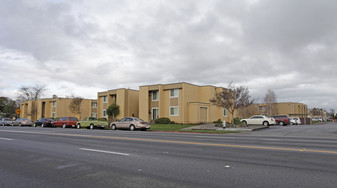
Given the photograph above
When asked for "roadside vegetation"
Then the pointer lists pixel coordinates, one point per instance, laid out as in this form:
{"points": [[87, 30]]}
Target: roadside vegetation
{"points": [[179, 127]]}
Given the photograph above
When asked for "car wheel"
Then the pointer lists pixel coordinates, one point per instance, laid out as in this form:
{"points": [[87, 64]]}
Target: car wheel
{"points": [[91, 126], [78, 126], [34, 125], [42, 125], [12, 125], [281, 123], [244, 122], [20, 125], [132, 127], [113, 127], [64, 125], [265, 123]]}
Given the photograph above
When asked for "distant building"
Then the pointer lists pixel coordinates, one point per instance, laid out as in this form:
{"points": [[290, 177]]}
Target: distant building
{"points": [[291, 109], [318, 113], [56, 107]]}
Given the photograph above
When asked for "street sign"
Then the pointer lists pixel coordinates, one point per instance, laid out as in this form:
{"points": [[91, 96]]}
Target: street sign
{"points": [[17, 111]]}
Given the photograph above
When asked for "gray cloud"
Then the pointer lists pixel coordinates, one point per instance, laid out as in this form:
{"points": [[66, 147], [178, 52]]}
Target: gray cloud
{"points": [[288, 46]]}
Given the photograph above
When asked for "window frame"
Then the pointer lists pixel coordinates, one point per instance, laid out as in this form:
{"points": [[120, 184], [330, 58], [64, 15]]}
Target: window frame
{"points": [[174, 107], [105, 99], [157, 94], [175, 94], [223, 112]]}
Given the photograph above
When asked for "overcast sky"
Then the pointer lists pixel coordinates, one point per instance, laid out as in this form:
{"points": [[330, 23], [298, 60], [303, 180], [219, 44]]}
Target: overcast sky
{"points": [[81, 47]]}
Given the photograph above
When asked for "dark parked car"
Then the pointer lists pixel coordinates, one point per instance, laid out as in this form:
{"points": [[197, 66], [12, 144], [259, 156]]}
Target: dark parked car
{"points": [[282, 120], [44, 122], [66, 122]]}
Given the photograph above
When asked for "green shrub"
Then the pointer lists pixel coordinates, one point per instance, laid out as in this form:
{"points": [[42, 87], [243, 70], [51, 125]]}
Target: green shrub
{"points": [[218, 123], [162, 120], [172, 122], [237, 121]]}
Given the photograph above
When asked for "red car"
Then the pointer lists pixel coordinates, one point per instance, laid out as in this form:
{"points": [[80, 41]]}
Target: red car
{"points": [[65, 122], [282, 120]]}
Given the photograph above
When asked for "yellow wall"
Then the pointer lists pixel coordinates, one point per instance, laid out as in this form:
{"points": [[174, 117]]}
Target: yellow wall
{"points": [[43, 108], [291, 109], [193, 100], [126, 99]]}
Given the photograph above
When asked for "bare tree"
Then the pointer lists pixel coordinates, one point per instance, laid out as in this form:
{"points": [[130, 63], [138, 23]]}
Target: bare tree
{"points": [[270, 100], [75, 106], [232, 98], [332, 112], [34, 92]]}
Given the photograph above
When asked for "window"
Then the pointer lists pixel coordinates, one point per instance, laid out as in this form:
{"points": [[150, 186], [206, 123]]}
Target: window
{"points": [[53, 114], [155, 96], [104, 113], [174, 111], [122, 120], [93, 104], [225, 112], [105, 99], [94, 115], [174, 93], [73, 119], [54, 104]]}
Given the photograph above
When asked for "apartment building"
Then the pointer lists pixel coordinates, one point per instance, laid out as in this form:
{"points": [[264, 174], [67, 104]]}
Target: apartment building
{"points": [[181, 102], [291, 109], [126, 99], [56, 107]]}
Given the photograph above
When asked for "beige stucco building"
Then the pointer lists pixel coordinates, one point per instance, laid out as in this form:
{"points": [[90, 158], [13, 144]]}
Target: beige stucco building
{"points": [[291, 109], [181, 102], [56, 107], [126, 99]]}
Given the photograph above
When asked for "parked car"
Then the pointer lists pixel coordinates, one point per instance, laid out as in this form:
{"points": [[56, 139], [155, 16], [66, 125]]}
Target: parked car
{"points": [[295, 121], [282, 119], [131, 123], [65, 122], [6, 121], [44, 122], [22, 122], [316, 119], [259, 120], [91, 122]]}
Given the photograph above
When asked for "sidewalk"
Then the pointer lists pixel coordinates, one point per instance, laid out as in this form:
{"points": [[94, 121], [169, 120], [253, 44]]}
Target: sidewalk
{"points": [[213, 127]]}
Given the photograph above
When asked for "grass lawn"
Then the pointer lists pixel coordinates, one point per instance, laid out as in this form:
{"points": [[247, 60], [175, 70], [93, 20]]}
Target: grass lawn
{"points": [[168, 127], [177, 127]]}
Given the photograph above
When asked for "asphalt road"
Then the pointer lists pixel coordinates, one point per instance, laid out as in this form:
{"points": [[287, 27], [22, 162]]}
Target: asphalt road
{"points": [[292, 156]]}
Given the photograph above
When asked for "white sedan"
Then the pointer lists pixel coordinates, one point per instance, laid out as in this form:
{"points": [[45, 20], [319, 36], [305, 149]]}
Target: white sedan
{"points": [[259, 120]]}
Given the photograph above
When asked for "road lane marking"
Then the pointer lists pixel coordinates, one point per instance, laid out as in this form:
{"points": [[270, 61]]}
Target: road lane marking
{"points": [[6, 139], [103, 151], [176, 142]]}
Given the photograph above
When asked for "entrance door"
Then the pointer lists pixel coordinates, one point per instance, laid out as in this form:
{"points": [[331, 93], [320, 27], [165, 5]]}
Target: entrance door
{"points": [[203, 115], [43, 110], [155, 113]]}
